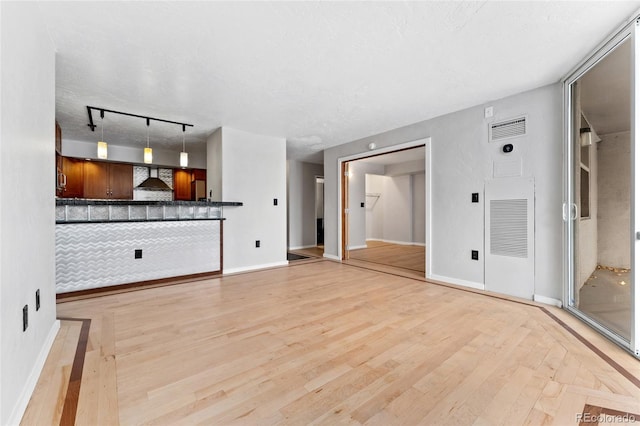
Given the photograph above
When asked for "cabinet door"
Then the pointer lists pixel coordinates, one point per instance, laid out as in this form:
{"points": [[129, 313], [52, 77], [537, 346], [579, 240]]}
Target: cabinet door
{"points": [[181, 184], [73, 169], [96, 179], [199, 174], [121, 181]]}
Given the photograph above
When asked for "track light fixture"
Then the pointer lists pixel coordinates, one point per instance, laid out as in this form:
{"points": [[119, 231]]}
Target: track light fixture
{"points": [[184, 157], [148, 152]]}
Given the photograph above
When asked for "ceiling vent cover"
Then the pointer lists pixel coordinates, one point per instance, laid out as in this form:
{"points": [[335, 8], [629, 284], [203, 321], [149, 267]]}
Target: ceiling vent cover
{"points": [[508, 129]]}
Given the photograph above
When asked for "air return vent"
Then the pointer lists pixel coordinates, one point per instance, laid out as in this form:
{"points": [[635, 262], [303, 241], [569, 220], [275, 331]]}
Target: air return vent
{"points": [[508, 129], [509, 228]]}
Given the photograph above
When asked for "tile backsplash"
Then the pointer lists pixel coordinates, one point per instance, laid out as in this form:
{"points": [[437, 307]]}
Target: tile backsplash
{"points": [[140, 173]]}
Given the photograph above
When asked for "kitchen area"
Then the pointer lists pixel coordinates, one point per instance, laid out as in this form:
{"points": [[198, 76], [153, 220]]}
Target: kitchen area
{"points": [[122, 224]]}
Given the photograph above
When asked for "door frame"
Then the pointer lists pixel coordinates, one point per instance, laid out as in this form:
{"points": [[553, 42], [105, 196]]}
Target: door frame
{"points": [[628, 31], [342, 180]]}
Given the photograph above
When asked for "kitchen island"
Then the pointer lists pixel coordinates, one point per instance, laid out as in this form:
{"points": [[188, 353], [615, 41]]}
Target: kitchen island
{"points": [[105, 243]]}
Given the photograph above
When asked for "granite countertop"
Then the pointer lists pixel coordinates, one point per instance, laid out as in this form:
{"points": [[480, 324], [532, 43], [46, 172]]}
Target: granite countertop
{"points": [[95, 202]]}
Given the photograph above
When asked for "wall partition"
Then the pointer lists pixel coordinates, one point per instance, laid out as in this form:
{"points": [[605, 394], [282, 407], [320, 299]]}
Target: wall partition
{"points": [[601, 210]]}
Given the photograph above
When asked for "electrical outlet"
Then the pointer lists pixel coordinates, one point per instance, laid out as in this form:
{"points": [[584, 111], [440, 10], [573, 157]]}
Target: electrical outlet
{"points": [[257, 243], [474, 255], [137, 254], [37, 299], [361, 204], [25, 317]]}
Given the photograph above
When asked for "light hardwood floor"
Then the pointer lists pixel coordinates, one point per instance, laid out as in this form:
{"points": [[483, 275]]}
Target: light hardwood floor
{"points": [[328, 343], [407, 257]]}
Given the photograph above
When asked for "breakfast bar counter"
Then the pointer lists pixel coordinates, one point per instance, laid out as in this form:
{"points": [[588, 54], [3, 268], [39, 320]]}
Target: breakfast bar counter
{"points": [[104, 243]]}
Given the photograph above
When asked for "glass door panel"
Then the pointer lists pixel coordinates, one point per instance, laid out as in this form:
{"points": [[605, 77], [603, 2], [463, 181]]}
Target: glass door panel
{"points": [[602, 177]]}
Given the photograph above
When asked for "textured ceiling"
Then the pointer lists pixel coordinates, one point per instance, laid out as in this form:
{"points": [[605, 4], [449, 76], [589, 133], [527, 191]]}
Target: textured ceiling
{"points": [[606, 92], [318, 73]]}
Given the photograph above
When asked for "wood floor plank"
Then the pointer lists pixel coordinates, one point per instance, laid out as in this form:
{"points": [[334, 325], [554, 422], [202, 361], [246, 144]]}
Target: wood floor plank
{"points": [[329, 343]]}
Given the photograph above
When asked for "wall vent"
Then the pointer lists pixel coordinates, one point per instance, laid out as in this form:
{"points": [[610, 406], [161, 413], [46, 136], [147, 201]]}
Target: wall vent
{"points": [[508, 129], [509, 228]]}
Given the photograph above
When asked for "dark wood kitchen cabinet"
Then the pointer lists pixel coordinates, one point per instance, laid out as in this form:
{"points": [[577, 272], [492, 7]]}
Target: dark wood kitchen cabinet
{"points": [[181, 184], [73, 170], [108, 180], [188, 184]]}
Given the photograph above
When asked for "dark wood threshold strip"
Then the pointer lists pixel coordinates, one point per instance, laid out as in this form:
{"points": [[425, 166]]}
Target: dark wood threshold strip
{"points": [[140, 285], [386, 264], [620, 369], [593, 415], [70, 407]]}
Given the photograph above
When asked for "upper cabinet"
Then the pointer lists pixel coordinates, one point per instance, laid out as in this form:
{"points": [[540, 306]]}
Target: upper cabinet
{"points": [[73, 171], [108, 180], [58, 139]]}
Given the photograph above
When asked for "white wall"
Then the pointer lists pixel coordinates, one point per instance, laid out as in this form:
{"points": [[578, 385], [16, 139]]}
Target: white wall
{"points": [[397, 202], [587, 246], [357, 196], [127, 154], [375, 206], [614, 179], [398, 214], [27, 211], [253, 172], [301, 202], [462, 159], [214, 165]]}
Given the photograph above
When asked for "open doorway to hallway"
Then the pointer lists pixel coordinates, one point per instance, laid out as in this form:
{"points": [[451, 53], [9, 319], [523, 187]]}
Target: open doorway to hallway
{"points": [[386, 210]]}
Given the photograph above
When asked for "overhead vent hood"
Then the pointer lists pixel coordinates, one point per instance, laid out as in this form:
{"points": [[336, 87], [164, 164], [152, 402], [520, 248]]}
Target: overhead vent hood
{"points": [[153, 182]]}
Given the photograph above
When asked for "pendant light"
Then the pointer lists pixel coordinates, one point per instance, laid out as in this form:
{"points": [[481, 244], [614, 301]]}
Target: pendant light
{"points": [[184, 156], [102, 146], [148, 152]]}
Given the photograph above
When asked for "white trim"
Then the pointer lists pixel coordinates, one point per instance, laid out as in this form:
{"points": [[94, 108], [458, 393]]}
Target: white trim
{"points": [[456, 281], [428, 267], [402, 243], [303, 247], [547, 300], [32, 380], [254, 267], [357, 247], [331, 256]]}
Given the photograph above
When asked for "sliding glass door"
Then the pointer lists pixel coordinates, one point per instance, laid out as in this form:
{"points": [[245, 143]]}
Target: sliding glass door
{"points": [[600, 212]]}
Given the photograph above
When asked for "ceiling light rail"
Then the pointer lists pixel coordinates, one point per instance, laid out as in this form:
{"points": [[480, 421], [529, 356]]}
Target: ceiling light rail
{"points": [[103, 110]]}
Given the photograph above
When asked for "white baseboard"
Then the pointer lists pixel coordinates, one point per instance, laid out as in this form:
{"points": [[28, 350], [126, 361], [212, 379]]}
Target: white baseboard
{"points": [[302, 247], [357, 247], [547, 300], [32, 380], [254, 267], [331, 256], [403, 243], [456, 281]]}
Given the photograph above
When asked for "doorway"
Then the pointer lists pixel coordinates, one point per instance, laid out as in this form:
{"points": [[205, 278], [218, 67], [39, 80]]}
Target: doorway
{"points": [[383, 200], [601, 172]]}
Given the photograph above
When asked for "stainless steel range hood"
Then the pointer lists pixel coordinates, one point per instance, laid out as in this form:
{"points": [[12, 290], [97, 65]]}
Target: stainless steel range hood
{"points": [[153, 183]]}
